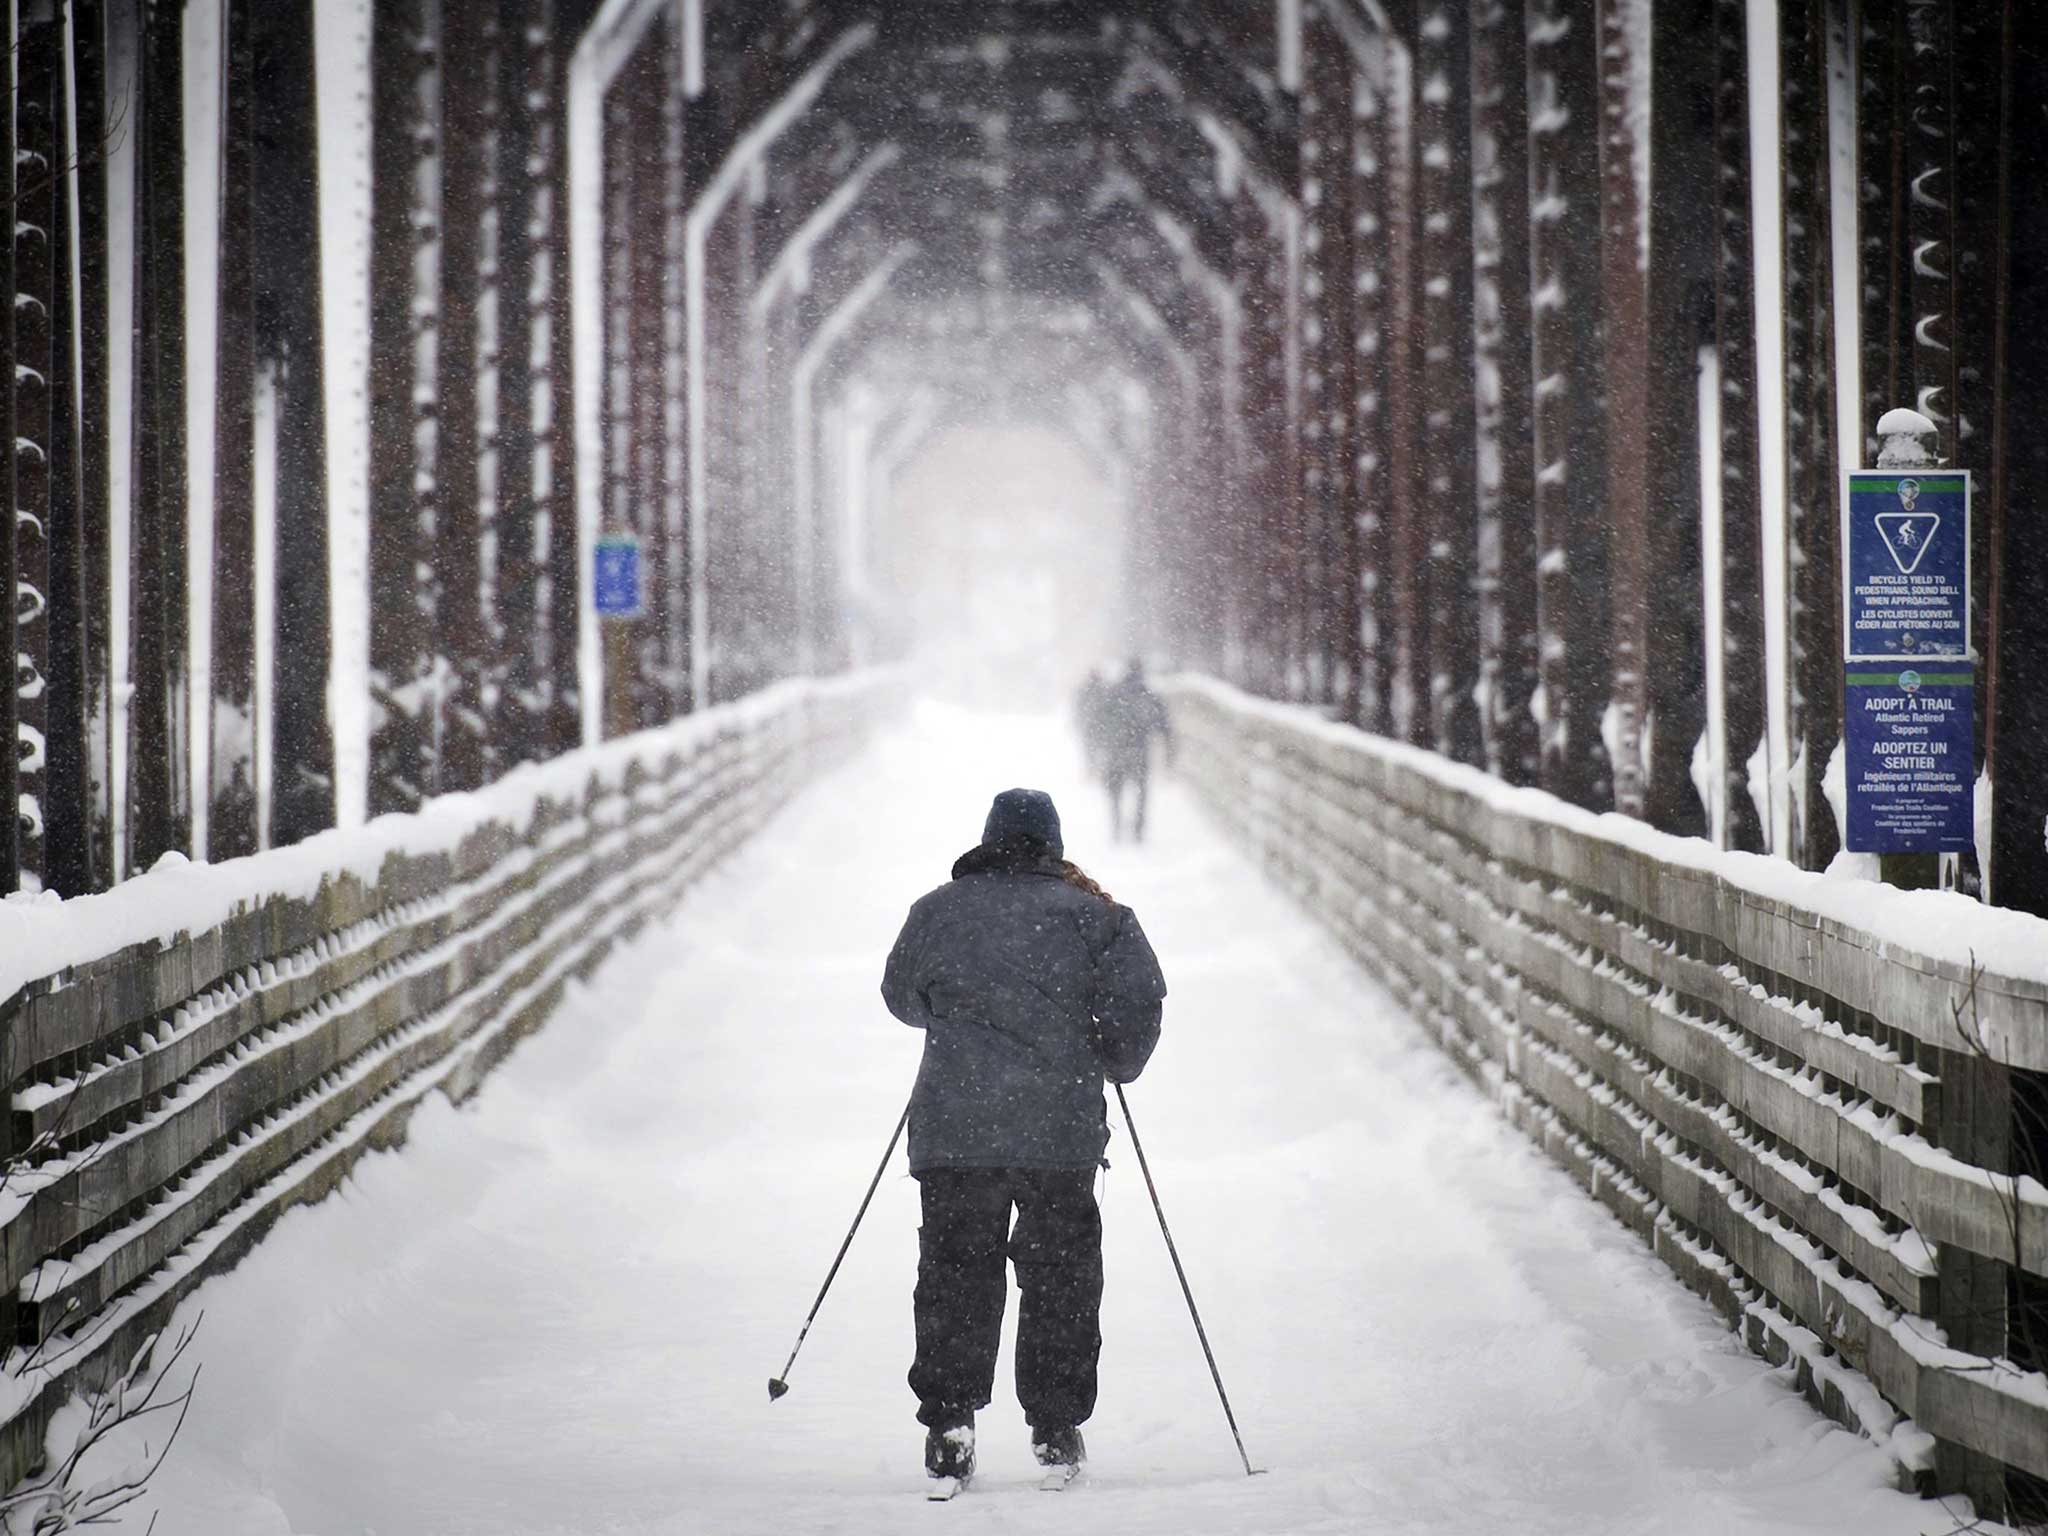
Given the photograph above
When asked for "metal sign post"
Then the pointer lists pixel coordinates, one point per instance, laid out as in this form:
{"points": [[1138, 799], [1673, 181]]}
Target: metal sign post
{"points": [[616, 594], [1909, 681], [615, 567]]}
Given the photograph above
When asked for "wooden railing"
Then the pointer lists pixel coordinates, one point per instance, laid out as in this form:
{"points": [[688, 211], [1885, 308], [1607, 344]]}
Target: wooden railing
{"points": [[1794, 1088], [178, 1081]]}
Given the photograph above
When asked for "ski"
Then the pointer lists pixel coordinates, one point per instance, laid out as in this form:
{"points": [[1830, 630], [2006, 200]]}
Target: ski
{"points": [[940, 1489], [1059, 1476]]}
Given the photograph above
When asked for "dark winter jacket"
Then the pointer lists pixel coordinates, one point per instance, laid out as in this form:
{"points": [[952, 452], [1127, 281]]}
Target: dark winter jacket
{"points": [[1127, 719], [1030, 989]]}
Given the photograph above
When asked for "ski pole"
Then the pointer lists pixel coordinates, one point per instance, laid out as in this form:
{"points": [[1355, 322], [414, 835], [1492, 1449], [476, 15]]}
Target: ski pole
{"points": [[777, 1385], [1174, 1254]]}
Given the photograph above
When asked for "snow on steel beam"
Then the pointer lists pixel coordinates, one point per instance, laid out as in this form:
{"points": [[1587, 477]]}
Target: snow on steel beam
{"points": [[703, 214], [1767, 234], [1287, 29], [1234, 167], [605, 45], [1240, 143], [792, 265], [1218, 289], [616, 30], [866, 458], [1363, 25], [1247, 92], [342, 125], [1196, 270], [600, 53], [693, 48], [203, 91], [831, 330], [1159, 333]]}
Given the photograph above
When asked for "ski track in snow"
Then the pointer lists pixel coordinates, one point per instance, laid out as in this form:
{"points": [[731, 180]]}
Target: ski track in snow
{"points": [[557, 1308]]}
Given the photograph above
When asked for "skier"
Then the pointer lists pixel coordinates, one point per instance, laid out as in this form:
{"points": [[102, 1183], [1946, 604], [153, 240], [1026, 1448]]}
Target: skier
{"points": [[1130, 716], [1031, 986]]}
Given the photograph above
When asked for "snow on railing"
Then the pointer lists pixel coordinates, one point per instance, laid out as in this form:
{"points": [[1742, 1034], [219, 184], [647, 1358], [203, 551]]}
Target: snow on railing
{"points": [[201, 1047], [1797, 1089]]}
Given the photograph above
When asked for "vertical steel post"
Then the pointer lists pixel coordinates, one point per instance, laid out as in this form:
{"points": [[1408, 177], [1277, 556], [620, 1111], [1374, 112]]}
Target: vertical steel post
{"points": [[516, 698], [37, 59], [160, 785], [1566, 330], [465, 364], [1812, 493], [67, 796], [1504, 480], [230, 733], [1450, 550], [1683, 268], [10, 702], [1742, 619], [2017, 487], [1371, 465], [558, 632], [404, 219], [92, 141], [291, 358], [1403, 541], [1624, 299]]}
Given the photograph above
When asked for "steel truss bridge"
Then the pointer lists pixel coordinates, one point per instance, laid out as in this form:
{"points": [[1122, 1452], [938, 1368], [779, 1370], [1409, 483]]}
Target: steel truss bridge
{"points": [[1481, 375]]}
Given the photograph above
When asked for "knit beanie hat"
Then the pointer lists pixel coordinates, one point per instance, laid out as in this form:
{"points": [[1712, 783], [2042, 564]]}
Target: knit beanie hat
{"points": [[1024, 815]]}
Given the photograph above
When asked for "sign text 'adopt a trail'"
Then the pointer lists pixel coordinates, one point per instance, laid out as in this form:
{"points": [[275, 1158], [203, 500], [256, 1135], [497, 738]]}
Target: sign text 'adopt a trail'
{"points": [[1911, 770], [1907, 571]]}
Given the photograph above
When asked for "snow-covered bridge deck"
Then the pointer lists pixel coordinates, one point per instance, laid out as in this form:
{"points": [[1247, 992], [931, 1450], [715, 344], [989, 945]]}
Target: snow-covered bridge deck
{"points": [[555, 1309]]}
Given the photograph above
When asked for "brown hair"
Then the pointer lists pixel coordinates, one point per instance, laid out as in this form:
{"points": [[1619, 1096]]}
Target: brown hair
{"points": [[1073, 874], [1029, 854]]}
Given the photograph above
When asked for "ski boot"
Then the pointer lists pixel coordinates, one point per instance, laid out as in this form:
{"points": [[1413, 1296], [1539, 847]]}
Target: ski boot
{"points": [[949, 1456], [1059, 1450]]}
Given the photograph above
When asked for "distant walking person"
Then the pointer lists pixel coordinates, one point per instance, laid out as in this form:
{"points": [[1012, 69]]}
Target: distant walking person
{"points": [[1129, 717], [1031, 986], [1088, 719]]}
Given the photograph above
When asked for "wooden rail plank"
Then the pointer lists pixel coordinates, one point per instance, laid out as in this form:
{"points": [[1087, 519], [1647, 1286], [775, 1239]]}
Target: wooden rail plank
{"points": [[188, 1089], [650, 855], [1629, 1016]]}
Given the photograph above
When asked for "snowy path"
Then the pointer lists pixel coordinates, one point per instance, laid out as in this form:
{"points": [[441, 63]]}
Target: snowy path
{"points": [[555, 1311]]}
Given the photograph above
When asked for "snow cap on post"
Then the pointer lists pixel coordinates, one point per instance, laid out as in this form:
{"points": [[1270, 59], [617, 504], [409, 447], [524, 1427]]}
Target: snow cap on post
{"points": [[1906, 440]]}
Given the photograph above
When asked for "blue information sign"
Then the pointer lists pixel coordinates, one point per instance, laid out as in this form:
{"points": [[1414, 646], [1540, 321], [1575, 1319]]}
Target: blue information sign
{"points": [[1911, 759], [1906, 574], [616, 561]]}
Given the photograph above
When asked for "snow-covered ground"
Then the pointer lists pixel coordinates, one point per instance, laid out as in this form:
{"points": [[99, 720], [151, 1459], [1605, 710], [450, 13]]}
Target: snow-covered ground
{"points": [[556, 1310]]}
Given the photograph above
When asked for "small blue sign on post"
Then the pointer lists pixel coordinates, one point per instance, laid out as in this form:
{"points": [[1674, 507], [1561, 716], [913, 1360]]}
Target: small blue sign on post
{"points": [[1906, 571], [616, 576], [1910, 745]]}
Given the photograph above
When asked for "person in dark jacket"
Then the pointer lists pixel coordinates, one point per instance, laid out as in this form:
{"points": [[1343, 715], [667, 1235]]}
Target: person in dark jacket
{"points": [[1031, 986], [1129, 716], [1088, 719]]}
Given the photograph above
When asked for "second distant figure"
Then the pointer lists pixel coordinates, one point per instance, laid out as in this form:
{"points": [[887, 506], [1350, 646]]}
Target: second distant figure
{"points": [[1127, 716]]}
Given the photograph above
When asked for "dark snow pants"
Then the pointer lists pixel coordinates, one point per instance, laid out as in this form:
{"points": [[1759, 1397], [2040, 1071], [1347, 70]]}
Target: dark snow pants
{"points": [[961, 1284]]}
